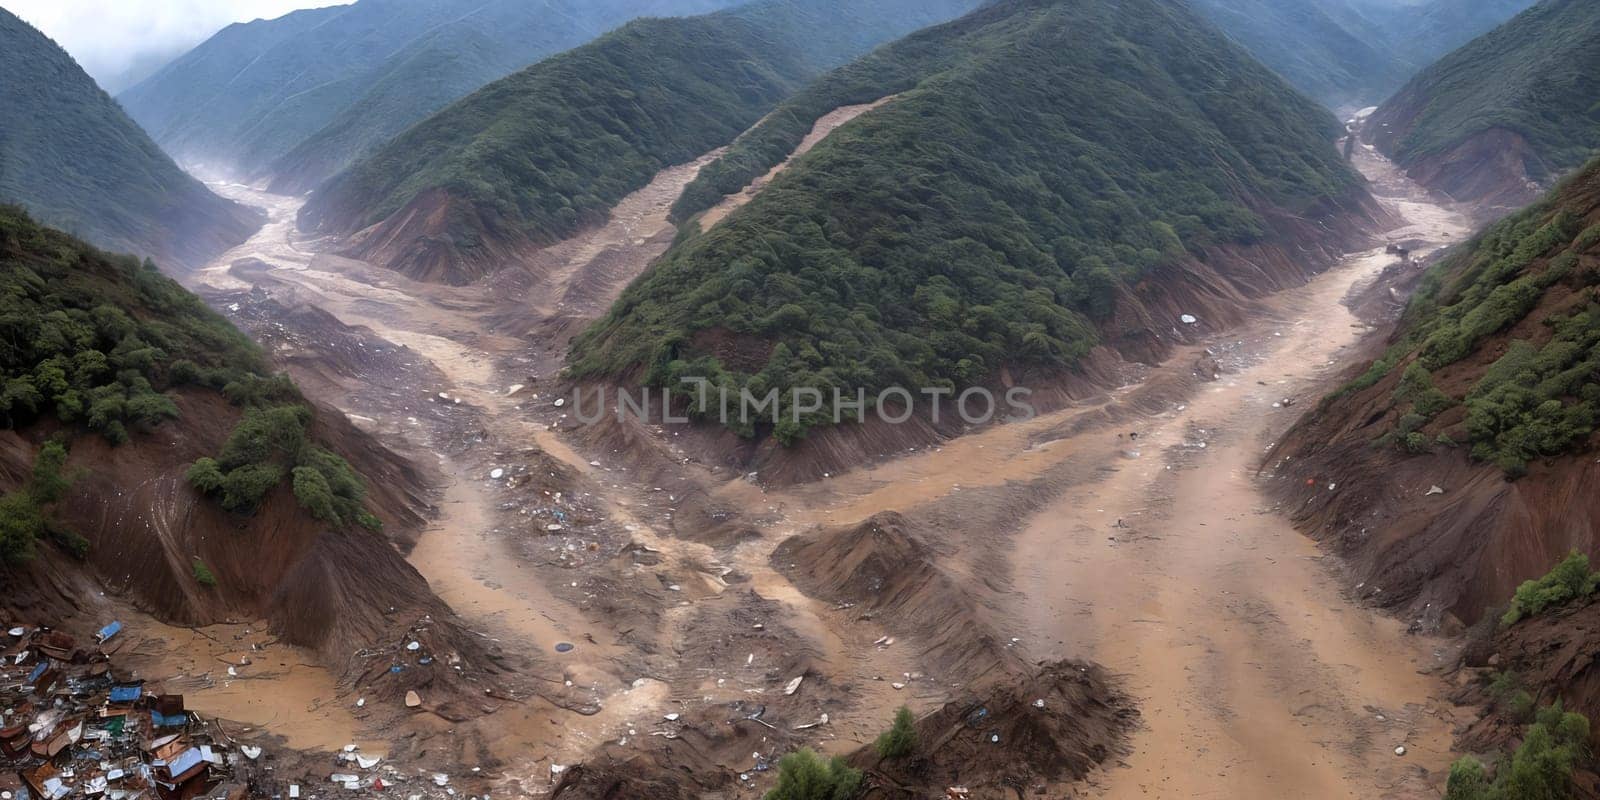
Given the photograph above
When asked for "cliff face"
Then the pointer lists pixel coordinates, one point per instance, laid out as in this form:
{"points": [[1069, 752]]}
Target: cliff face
{"points": [[1461, 461]]}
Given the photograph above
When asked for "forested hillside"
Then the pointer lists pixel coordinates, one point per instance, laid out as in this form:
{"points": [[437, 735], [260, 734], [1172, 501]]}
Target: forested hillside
{"points": [[536, 156], [1038, 156], [74, 159], [1506, 114], [1489, 390], [101, 342], [301, 96], [1354, 52]]}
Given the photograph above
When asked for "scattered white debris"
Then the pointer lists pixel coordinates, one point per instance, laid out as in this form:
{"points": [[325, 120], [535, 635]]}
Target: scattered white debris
{"points": [[554, 526], [561, 401], [361, 703], [1039, 703], [794, 685], [515, 387], [898, 685], [367, 762], [1433, 490], [1400, 751], [440, 779], [496, 473], [414, 646], [251, 753], [1188, 319], [673, 717], [414, 700]]}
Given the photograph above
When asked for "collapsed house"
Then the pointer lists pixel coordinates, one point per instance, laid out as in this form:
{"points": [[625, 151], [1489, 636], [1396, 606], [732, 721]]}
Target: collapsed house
{"points": [[73, 726]]}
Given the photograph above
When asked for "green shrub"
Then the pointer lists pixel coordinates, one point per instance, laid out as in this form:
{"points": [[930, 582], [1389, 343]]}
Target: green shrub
{"points": [[269, 444], [803, 775], [23, 516], [901, 738], [1569, 580], [1540, 769], [203, 575]]}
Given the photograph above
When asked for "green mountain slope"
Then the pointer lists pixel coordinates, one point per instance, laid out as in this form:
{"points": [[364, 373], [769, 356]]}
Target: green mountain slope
{"points": [[76, 161], [105, 343], [304, 94], [1353, 52], [1513, 109], [534, 157], [1038, 156]]}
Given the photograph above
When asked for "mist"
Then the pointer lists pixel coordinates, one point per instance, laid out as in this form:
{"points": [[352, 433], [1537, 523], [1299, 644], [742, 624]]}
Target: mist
{"points": [[120, 42]]}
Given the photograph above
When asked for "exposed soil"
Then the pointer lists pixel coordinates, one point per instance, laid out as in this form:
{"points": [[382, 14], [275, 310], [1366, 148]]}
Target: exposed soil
{"points": [[644, 609]]}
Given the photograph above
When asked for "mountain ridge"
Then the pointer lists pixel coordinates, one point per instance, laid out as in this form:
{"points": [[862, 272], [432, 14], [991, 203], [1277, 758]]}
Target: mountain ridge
{"points": [[70, 154]]}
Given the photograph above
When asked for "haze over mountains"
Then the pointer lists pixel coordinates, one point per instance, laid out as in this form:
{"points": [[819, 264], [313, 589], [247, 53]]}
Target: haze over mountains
{"points": [[1354, 52], [302, 95], [538, 155], [72, 157], [1511, 112]]}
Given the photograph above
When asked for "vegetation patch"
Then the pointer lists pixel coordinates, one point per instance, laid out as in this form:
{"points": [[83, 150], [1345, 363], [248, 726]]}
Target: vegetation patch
{"points": [[1540, 769], [1567, 581], [977, 221]]}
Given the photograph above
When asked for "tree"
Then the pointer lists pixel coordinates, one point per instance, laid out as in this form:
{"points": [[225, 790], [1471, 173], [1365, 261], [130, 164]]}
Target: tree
{"points": [[901, 738], [803, 775], [1540, 769]]}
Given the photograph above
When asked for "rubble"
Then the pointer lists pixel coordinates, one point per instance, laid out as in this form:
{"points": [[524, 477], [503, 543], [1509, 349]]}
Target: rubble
{"points": [[72, 725]]}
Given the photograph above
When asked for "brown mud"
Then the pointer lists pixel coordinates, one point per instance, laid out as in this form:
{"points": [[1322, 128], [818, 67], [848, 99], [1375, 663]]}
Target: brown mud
{"points": [[950, 575]]}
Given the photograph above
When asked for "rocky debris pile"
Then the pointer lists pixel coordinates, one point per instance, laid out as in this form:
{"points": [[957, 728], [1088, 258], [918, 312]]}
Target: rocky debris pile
{"points": [[73, 725]]}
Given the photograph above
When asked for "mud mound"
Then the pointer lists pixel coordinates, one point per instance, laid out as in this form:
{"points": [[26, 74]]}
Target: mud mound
{"points": [[880, 567], [436, 238], [1053, 727], [1049, 728]]}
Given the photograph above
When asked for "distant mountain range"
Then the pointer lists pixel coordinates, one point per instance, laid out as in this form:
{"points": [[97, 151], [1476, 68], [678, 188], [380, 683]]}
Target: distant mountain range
{"points": [[1354, 52], [534, 157], [1506, 115], [299, 97], [71, 156]]}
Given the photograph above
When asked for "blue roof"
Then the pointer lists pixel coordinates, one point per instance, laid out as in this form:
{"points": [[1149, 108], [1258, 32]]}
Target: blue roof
{"points": [[126, 694], [190, 759], [172, 721]]}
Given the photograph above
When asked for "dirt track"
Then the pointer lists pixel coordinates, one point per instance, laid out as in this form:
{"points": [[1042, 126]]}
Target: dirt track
{"points": [[1255, 676]]}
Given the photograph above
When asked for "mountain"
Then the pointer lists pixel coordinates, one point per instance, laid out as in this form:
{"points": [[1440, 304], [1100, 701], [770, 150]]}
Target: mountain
{"points": [[1461, 460], [1046, 177], [122, 396], [74, 159], [300, 96], [1511, 111], [536, 156], [1349, 53]]}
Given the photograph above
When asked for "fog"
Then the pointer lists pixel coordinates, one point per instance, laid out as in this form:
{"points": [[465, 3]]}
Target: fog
{"points": [[119, 42]]}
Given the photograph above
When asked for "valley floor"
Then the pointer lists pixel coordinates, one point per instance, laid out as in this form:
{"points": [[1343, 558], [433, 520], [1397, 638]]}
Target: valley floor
{"points": [[1155, 555]]}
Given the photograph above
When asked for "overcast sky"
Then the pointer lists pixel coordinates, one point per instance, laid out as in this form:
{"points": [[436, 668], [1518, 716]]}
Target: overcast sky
{"points": [[110, 38]]}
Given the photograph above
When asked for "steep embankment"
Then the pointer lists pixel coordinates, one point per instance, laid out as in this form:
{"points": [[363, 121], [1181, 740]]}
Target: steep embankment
{"points": [[302, 95], [537, 156], [148, 455], [1505, 115], [942, 240], [1461, 462], [74, 159]]}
